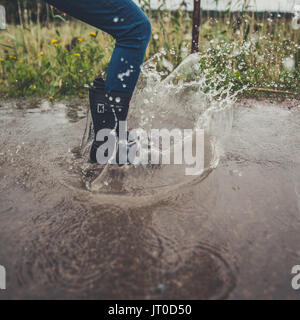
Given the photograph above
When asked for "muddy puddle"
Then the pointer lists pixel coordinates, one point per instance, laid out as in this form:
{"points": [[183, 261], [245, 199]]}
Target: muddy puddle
{"points": [[231, 233]]}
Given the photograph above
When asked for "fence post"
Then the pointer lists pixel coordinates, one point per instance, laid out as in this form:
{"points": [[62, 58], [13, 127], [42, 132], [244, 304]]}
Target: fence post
{"points": [[196, 26]]}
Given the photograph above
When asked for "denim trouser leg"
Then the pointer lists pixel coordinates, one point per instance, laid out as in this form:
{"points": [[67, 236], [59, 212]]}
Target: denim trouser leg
{"points": [[128, 24]]}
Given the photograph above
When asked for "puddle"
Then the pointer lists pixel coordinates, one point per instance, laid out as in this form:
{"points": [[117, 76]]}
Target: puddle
{"points": [[231, 233]]}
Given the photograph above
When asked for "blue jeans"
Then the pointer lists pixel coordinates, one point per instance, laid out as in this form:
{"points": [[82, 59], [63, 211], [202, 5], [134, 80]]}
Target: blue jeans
{"points": [[128, 25]]}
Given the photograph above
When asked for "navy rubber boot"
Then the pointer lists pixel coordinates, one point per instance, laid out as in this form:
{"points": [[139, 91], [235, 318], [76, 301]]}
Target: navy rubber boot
{"points": [[107, 109]]}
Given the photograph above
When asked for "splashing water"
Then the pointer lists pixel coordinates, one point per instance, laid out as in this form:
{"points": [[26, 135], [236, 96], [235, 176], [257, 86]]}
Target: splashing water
{"points": [[186, 98]]}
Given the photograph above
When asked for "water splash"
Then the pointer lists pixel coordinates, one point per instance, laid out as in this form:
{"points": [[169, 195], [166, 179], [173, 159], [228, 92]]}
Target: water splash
{"points": [[186, 98]]}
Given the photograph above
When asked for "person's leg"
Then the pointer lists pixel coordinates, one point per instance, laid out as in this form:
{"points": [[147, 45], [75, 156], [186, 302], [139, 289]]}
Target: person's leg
{"points": [[109, 100], [128, 24]]}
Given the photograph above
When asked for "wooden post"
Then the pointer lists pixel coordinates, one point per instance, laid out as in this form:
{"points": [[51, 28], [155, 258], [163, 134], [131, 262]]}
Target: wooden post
{"points": [[196, 26]]}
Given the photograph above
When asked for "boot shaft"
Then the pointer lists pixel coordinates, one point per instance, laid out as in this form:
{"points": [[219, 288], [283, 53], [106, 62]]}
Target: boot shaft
{"points": [[107, 110]]}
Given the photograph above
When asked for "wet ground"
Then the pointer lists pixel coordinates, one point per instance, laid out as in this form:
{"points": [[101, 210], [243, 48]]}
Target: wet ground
{"points": [[231, 234]]}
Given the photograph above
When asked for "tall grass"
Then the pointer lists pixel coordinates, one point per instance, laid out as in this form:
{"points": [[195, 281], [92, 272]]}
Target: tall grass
{"points": [[62, 58]]}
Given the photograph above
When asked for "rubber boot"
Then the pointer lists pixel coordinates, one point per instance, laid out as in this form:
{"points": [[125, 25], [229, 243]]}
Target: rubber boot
{"points": [[107, 109]]}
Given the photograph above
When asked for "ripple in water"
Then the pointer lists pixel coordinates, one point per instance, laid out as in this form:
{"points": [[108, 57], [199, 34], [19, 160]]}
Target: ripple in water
{"points": [[109, 253]]}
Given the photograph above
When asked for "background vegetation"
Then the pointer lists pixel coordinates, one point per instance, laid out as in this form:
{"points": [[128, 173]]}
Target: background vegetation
{"points": [[44, 54]]}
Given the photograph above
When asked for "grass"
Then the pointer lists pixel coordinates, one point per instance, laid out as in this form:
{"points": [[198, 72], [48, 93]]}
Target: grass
{"points": [[61, 59]]}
